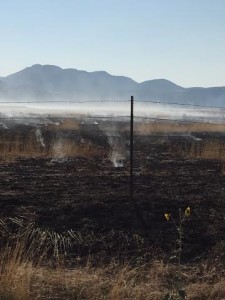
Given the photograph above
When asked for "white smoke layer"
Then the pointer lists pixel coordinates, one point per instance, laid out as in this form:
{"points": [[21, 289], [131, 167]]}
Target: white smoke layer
{"points": [[46, 112], [39, 137]]}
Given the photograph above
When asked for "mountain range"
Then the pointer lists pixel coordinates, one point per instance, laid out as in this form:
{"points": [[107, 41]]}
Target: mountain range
{"points": [[52, 83]]}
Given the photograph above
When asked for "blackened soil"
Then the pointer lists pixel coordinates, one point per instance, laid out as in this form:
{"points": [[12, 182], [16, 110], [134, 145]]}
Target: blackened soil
{"points": [[91, 194]]}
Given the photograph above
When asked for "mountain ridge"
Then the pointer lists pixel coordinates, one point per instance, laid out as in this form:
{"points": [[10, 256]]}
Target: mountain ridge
{"points": [[49, 82]]}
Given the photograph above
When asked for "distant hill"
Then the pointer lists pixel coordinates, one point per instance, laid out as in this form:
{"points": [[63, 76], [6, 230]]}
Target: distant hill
{"points": [[47, 82]]}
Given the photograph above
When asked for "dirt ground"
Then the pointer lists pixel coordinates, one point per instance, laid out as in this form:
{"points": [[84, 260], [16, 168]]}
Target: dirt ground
{"points": [[90, 194]]}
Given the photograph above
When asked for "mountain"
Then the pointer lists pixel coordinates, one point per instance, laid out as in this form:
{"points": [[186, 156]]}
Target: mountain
{"points": [[47, 82]]}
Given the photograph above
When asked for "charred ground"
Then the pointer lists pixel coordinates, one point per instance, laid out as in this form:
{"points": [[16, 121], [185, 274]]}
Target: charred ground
{"points": [[86, 193]]}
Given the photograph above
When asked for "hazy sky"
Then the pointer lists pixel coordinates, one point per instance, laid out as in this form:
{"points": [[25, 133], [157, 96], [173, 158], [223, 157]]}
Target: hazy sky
{"points": [[180, 40]]}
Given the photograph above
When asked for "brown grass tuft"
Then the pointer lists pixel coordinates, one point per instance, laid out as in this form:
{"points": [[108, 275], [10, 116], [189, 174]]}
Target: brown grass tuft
{"points": [[208, 150]]}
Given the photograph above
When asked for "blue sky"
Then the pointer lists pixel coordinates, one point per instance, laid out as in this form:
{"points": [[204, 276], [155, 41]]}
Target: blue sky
{"points": [[179, 40]]}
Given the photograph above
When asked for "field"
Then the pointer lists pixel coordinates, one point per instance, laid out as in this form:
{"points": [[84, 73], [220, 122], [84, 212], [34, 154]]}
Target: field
{"points": [[71, 180]]}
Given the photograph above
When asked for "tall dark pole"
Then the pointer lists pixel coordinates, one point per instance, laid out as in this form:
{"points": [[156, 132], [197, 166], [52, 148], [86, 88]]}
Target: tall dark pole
{"points": [[131, 147], [135, 205]]}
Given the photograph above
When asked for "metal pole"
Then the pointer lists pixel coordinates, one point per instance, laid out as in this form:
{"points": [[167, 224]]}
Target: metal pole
{"points": [[131, 147], [135, 206]]}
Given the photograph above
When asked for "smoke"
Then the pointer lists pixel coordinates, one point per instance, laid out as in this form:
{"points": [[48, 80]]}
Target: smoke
{"points": [[117, 153], [191, 136], [4, 126], [117, 159], [58, 152], [39, 137]]}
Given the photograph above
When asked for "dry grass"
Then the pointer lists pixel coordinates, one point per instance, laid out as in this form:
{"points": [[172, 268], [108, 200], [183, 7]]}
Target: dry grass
{"points": [[68, 148], [65, 125], [25, 273], [108, 282], [15, 274], [147, 127], [176, 127], [208, 149], [56, 140], [213, 149], [23, 250], [12, 147], [19, 254], [20, 146], [116, 282]]}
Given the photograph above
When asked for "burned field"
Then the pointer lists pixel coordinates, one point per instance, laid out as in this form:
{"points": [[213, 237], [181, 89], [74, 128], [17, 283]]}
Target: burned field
{"points": [[76, 176]]}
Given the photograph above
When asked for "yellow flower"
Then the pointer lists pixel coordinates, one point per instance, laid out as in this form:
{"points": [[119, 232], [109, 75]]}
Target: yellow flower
{"points": [[187, 212], [167, 216]]}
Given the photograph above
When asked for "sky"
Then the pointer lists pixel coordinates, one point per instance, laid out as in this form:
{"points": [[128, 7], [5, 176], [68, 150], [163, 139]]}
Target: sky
{"points": [[179, 40]]}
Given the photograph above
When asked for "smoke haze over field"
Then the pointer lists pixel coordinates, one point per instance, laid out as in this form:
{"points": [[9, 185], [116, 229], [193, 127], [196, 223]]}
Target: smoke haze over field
{"points": [[120, 111]]}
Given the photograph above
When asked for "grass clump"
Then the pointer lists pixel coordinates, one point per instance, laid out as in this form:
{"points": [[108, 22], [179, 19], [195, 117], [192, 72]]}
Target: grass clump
{"points": [[23, 250], [33, 266]]}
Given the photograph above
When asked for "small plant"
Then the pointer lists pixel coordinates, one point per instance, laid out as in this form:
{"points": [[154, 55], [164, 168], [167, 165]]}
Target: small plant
{"points": [[183, 216], [178, 292]]}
